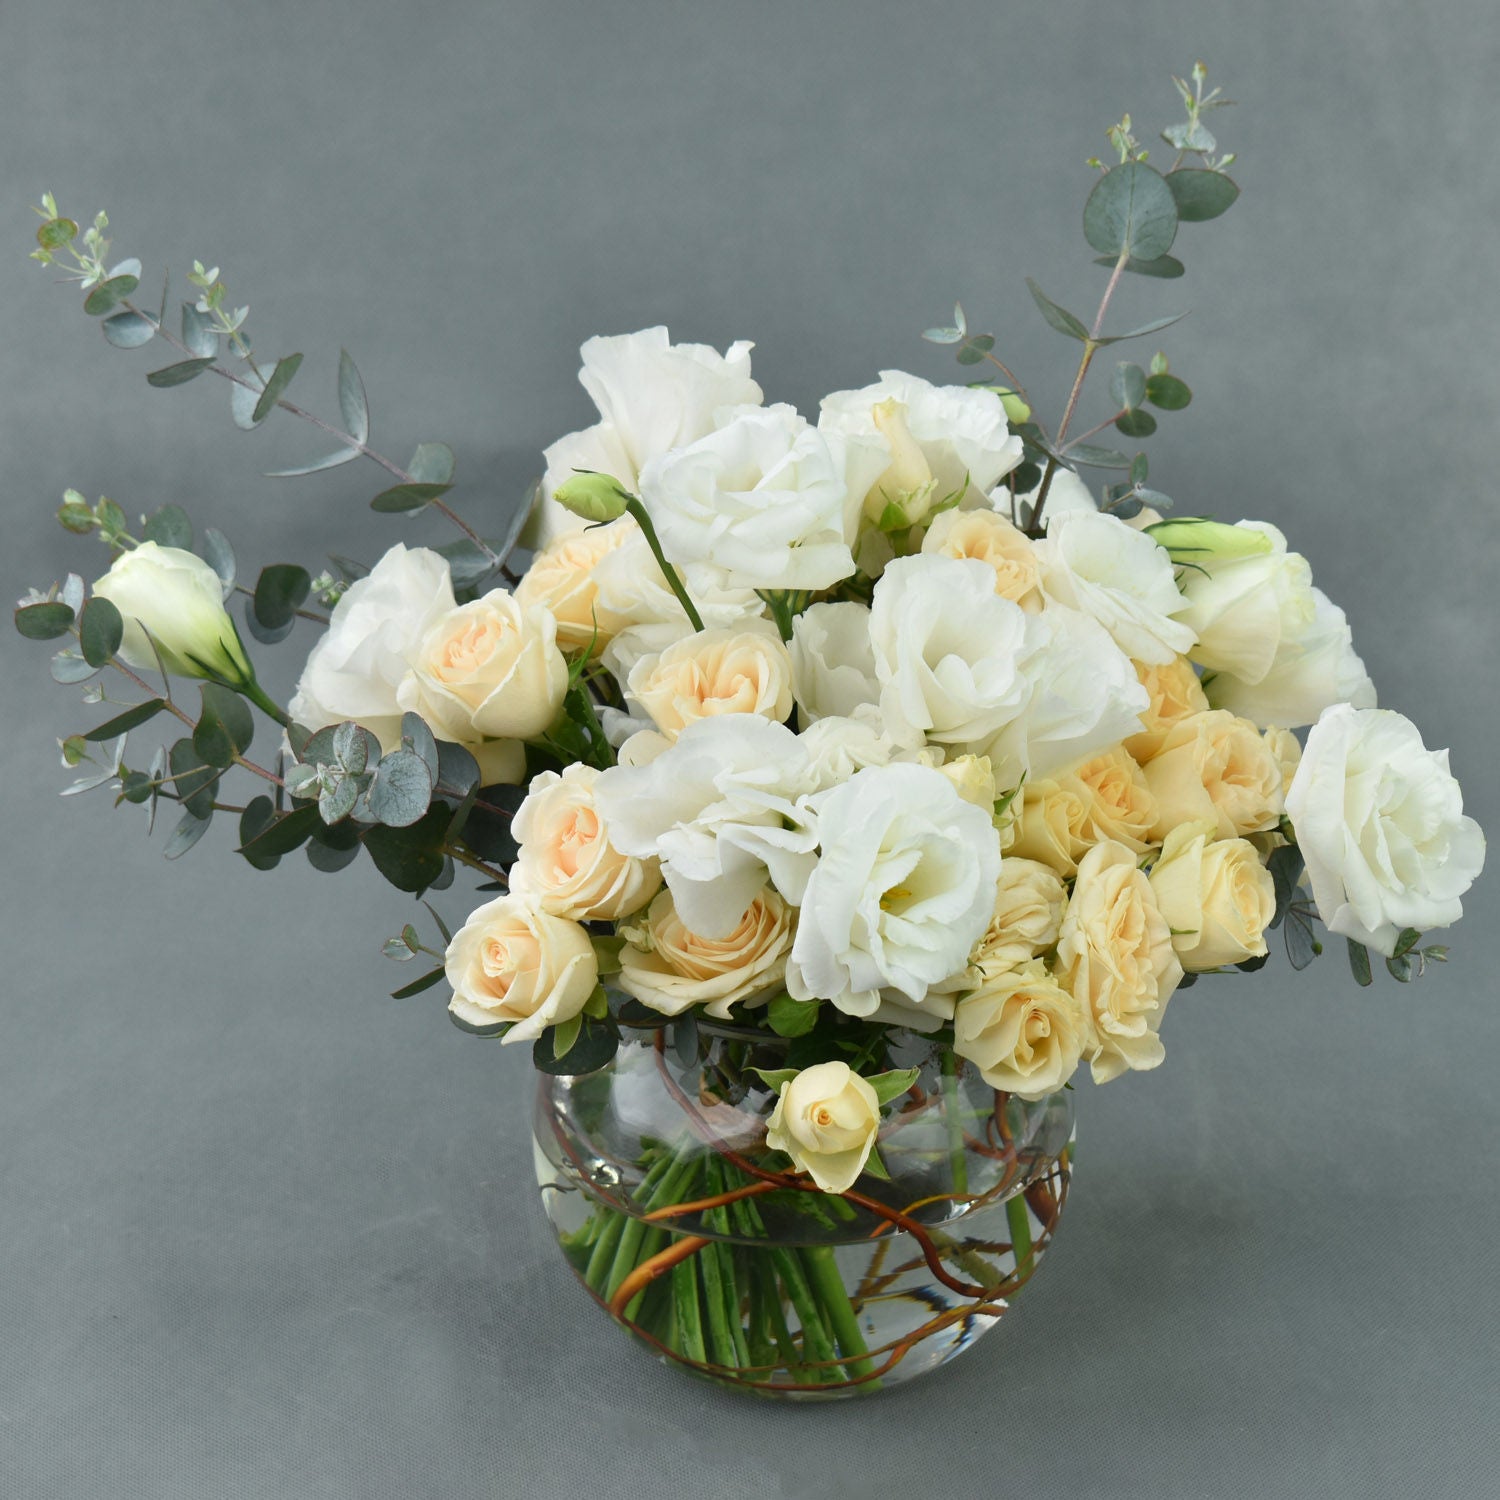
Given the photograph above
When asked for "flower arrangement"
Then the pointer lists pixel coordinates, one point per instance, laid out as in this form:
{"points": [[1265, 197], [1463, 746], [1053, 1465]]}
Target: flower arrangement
{"points": [[835, 789]]}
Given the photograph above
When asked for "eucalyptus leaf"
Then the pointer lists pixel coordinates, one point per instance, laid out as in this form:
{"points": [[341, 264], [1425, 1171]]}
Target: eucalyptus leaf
{"points": [[1167, 392], [100, 631], [178, 374], [68, 668], [1136, 424], [289, 831], [1155, 326], [401, 498], [330, 860], [336, 802], [402, 790], [44, 622], [128, 330], [258, 816], [426, 982], [411, 859], [417, 737], [266, 634], [280, 592], [194, 779], [499, 1028], [276, 382], [190, 828], [1359, 963], [353, 404], [225, 718], [244, 395], [331, 461], [198, 332], [219, 555], [1058, 317], [1164, 267], [108, 295], [56, 234], [432, 463], [458, 771], [1201, 194], [1127, 386], [1093, 457], [596, 1044], [123, 723], [169, 526], [1132, 211]]}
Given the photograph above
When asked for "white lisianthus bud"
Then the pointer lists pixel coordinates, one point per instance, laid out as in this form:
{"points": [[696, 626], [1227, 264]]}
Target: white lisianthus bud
{"points": [[904, 493], [179, 599], [592, 497], [511, 961], [1380, 821], [1200, 542], [1025, 1032], [826, 1119]]}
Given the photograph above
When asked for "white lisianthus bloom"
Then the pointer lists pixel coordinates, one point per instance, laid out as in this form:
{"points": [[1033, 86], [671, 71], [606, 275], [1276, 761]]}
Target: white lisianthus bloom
{"points": [[963, 438], [1380, 821], [652, 395], [833, 663], [1279, 650], [512, 961], [837, 747], [722, 807], [904, 887], [179, 599], [769, 499], [950, 653], [1096, 563], [1085, 697], [826, 1119], [356, 669]]}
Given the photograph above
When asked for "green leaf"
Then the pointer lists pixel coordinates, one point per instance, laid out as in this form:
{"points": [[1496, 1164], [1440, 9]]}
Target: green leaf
{"points": [[219, 555], [402, 790], [128, 330], [432, 463], [407, 497], [1359, 963], [280, 592], [190, 828], [1059, 317], [330, 860], [1155, 326], [893, 1083], [259, 815], [1406, 940], [458, 771], [198, 332], [100, 631], [607, 951], [1400, 968], [332, 461], [266, 634], [169, 527], [1131, 209], [1302, 945], [1200, 194], [194, 779], [1093, 457], [353, 404], [289, 831], [564, 1034], [788, 1017], [68, 668], [132, 718], [426, 982], [1285, 865], [1167, 392], [178, 374], [596, 1044], [875, 1167], [1127, 386], [1164, 267], [417, 737], [108, 295], [336, 802], [1136, 424], [278, 380], [225, 727], [56, 234], [410, 858], [44, 622], [774, 1078]]}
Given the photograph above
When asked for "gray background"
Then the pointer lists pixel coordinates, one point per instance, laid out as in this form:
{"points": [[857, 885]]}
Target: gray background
{"points": [[266, 1232]]}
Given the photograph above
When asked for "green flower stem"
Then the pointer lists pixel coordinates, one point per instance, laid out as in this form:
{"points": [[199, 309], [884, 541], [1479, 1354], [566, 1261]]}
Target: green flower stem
{"points": [[669, 1187], [1020, 1234], [601, 1261], [257, 695], [721, 1254], [634, 507], [958, 1162], [689, 1313], [828, 1286], [817, 1336]]}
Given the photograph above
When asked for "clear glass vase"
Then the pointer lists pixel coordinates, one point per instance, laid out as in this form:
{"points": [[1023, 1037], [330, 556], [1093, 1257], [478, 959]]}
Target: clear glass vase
{"points": [[671, 1211]]}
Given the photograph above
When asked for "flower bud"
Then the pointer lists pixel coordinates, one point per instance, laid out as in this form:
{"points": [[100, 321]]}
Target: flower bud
{"points": [[1192, 540], [1016, 410], [904, 493], [594, 497], [177, 598]]}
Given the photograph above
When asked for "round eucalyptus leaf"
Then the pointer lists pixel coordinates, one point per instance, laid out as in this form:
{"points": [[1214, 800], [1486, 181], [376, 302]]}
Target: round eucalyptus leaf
{"points": [[402, 789], [1168, 392], [1127, 386], [1201, 194], [1137, 424], [100, 631], [44, 622], [1131, 209], [128, 330]]}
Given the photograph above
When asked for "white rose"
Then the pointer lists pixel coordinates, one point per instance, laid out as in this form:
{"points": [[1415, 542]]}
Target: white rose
{"points": [[1380, 822], [963, 438], [356, 669], [1279, 650], [487, 670], [826, 1119], [772, 501], [1096, 563], [722, 807], [652, 395], [950, 653], [179, 599], [511, 961], [566, 862], [1085, 696], [668, 967], [903, 888], [739, 671], [833, 662], [1023, 1030]]}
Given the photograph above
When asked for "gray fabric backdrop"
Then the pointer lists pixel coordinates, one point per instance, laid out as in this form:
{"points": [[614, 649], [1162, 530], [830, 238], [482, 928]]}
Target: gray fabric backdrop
{"points": [[266, 1232]]}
